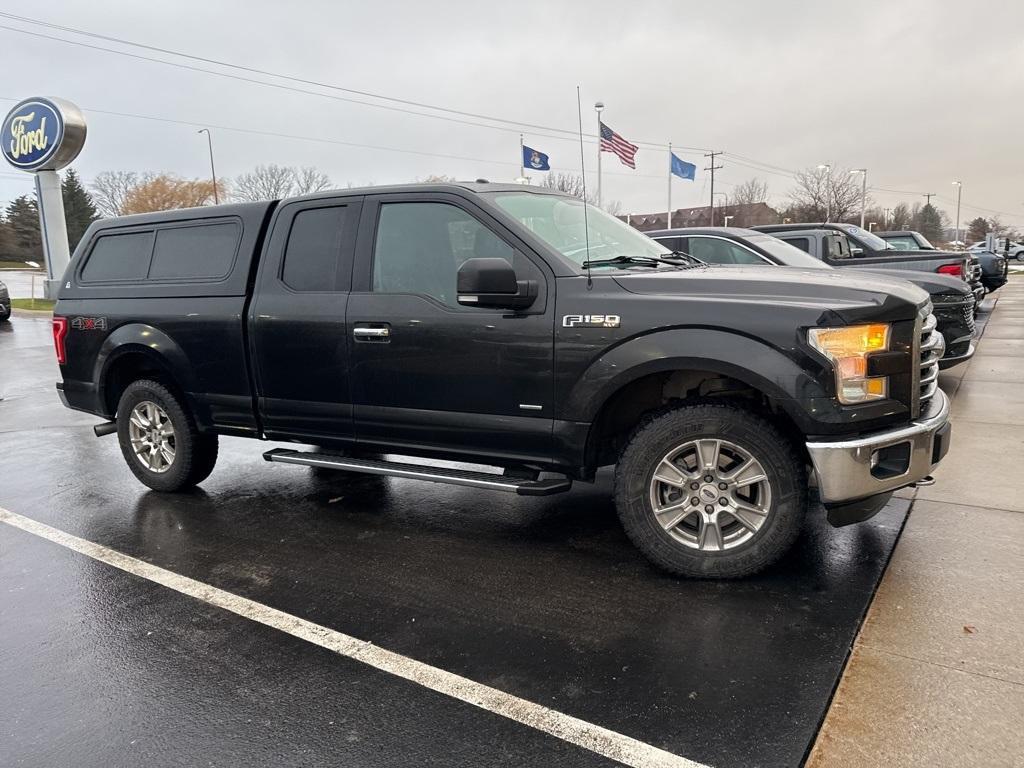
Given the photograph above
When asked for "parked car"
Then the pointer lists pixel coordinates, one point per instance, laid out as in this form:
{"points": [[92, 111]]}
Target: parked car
{"points": [[993, 265], [1010, 250], [868, 248], [448, 321], [952, 299], [5, 303]]}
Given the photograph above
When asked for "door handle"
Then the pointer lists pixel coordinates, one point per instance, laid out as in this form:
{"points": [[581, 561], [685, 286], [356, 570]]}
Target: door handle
{"points": [[371, 333]]}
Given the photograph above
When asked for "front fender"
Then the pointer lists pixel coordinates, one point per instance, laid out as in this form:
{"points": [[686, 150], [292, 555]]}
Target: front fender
{"points": [[798, 391]]}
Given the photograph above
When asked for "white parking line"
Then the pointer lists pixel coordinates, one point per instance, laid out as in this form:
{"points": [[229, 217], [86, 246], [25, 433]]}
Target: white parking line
{"points": [[602, 741]]}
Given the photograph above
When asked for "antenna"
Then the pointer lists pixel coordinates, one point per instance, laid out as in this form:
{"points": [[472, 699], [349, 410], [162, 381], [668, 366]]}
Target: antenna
{"points": [[583, 170]]}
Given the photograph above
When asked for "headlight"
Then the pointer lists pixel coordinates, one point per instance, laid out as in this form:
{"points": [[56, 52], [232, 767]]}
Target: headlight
{"points": [[848, 349]]}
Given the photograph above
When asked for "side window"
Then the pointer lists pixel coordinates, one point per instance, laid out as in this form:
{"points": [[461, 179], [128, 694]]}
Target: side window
{"points": [[313, 252], [420, 247], [803, 243], [672, 243], [714, 250], [122, 257], [197, 252]]}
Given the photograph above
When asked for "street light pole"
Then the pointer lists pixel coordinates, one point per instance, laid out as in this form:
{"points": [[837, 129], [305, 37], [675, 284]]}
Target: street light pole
{"points": [[863, 193], [598, 107], [828, 190], [959, 191], [213, 171]]}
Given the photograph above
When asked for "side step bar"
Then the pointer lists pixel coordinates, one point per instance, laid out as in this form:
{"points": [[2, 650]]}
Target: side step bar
{"points": [[491, 482]]}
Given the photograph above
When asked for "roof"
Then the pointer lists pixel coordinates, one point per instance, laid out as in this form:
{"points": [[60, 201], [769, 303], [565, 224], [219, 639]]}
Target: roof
{"points": [[682, 231], [796, 227], [896, 233], [479, 186]]}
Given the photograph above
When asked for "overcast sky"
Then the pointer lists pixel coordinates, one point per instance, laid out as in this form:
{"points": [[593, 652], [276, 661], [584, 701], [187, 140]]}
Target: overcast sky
{"points": [[919, 92]]}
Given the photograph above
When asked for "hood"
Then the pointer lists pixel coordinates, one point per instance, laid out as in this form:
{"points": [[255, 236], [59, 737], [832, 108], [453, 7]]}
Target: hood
{"points": [[932, 282], [852, 296]]}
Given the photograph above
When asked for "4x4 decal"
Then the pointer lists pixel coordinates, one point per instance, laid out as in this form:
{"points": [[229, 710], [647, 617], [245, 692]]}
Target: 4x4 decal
{"points": [[89, 323]]}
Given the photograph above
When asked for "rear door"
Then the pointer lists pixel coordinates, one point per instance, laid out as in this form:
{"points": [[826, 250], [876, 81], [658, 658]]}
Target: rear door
{"points": [[431, 374], [299, 336]]}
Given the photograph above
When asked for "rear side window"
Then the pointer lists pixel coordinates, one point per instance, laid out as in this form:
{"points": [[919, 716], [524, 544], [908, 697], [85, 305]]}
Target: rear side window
{"points": [[314, 247], [119, 257], [803, 243], [195, 253]]}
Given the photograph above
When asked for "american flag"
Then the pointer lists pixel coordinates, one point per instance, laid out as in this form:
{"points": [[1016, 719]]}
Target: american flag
{"points": [[612, 142]]}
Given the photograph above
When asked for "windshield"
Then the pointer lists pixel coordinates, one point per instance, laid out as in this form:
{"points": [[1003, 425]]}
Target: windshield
{"points": [[558, 221], [874, 242], [788, 254]]}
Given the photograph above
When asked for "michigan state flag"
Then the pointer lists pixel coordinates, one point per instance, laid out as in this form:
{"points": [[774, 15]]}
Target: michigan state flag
{"points": [[534, 160]]}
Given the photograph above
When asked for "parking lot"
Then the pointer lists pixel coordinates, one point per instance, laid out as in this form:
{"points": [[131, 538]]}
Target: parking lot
{"points": [[543, 600]]}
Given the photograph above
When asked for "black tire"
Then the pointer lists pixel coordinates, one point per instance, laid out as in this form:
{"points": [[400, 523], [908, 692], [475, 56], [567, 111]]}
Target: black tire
{"points": [[195, 453], [656, 437], [5, 314]]}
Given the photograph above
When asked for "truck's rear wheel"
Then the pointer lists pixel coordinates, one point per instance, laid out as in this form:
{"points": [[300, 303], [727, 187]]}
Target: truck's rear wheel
{"points": [[159, 438], [710, 491]]}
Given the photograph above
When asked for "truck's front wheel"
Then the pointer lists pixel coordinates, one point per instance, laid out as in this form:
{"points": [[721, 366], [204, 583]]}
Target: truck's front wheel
{"points": [[159, 438], [710, 490]]}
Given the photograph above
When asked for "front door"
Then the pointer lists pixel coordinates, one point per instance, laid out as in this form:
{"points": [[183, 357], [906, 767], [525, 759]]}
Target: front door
{"points": [[427, 373]]}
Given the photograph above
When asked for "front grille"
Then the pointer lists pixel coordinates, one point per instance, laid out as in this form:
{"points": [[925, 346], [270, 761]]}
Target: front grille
{"points": [[933, 346], [954, 310]]}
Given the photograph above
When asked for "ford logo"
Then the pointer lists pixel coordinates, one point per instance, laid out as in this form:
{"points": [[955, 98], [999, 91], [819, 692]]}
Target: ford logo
{"points": [[42, 134]]}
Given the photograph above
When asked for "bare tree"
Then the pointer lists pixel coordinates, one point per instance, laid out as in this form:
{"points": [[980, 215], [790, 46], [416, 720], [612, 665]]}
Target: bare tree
{"points": [[822, 193], [309, 180], [111, 189], [273, 182], [436, 178], [572, 184], [900, 218], [749, 192]]}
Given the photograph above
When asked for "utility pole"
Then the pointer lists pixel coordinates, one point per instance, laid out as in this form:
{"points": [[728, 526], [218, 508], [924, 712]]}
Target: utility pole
{"points": [[669, 217], [827, 168], [713, 168], [928, 197], [213, 172]]}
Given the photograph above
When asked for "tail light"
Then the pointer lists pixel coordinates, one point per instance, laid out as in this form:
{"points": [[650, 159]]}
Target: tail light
{"points": [[956, 270], [60, 333]]}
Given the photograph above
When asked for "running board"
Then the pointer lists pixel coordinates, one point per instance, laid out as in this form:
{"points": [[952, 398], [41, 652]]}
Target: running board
{"points": [[491, 482]]}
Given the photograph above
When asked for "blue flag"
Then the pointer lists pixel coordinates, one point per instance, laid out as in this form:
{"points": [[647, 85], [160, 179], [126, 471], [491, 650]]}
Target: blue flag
{"points": [[683, 169], [534, 160]]}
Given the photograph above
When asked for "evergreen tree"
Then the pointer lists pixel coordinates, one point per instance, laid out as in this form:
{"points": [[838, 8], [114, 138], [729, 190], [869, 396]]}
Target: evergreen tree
{"points": [[6, 242], [929, 223], [79, 210], [23, 222], [977, 229]]}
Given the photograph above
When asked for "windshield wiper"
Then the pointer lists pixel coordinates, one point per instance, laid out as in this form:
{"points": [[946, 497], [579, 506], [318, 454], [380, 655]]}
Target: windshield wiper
{"points": [[644, 260]]}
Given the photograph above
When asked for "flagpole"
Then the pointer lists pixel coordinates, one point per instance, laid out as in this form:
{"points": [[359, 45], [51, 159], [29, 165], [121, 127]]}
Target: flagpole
{"points": [[670, 185], [598, 106], [522, 159]]}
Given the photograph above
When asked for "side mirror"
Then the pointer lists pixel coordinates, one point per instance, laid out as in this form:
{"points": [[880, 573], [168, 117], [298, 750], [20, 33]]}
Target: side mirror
{"points": [[855, 251], [492, 283]]}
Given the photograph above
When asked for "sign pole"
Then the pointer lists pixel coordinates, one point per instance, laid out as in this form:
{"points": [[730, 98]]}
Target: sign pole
{"points": [[54, 230]]}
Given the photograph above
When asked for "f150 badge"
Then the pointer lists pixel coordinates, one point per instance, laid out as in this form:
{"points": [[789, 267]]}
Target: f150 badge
{"points": [[89, 323], [591, 321]]}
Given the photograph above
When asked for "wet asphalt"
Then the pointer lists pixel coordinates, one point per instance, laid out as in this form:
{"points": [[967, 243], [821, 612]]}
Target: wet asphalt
{"points": [[541, 598]]}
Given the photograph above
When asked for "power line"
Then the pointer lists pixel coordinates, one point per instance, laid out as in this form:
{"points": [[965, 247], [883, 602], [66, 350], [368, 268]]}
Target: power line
{"points": [[514, 125]]}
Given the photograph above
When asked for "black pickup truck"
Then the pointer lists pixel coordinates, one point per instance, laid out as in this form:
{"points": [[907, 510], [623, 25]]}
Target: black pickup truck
{"points": [[869, 249], [952, 300], [511, 327]]}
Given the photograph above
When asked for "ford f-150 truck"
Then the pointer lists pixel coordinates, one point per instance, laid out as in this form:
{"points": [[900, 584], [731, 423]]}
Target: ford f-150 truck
{"points": [[512, 327]]}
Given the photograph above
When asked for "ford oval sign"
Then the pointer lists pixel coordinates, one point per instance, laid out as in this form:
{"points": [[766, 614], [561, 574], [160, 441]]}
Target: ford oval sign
{"points": [[42, 134]]}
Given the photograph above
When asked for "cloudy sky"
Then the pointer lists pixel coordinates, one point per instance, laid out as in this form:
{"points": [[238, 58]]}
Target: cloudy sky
{"points": [[920, 92]]}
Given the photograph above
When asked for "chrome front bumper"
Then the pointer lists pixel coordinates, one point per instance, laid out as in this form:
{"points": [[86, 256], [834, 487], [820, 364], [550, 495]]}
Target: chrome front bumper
{"points": [[844, 468]]}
